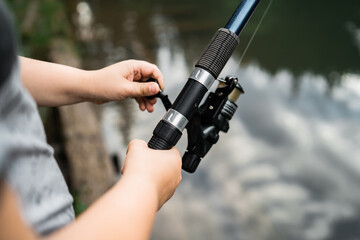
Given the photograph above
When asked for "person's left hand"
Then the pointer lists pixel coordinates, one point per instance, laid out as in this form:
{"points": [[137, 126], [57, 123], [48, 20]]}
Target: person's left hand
{"points": [[125, 79]]}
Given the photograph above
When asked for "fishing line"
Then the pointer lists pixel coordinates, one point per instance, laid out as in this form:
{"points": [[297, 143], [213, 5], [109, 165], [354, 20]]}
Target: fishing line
{"points": [[254, 33]]}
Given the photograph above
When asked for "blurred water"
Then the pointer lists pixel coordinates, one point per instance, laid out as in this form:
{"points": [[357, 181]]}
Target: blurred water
{"points": [[289, 168]]}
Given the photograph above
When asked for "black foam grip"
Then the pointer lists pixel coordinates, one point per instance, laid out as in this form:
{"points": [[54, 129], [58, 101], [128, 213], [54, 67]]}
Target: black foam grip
{"points": [[218, 51], [159, 143], [165, 136]]}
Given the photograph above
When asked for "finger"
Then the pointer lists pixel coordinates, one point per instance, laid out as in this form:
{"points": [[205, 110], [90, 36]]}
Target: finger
{"points": [[141, 103], [175, 151], [136, 142], [142, 106], [152, 101], [149, 103], [149, 107], [137, 89], [138, 99], [146, 70]]}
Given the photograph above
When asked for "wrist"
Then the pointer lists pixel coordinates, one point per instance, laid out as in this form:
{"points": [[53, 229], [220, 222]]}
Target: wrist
{"points": [[87, 86], [144, 185]]}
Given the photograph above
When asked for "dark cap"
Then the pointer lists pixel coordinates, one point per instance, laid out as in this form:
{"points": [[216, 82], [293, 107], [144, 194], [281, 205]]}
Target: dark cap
{"points": [[7, 44]]}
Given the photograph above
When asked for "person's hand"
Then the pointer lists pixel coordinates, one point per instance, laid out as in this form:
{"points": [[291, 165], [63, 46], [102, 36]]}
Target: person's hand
{"points": [[125, 79], [159, 168]]}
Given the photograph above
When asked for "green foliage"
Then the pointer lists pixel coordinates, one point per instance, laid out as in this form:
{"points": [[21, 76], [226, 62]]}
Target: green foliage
{"points": [[38, 23], [79, 207]]}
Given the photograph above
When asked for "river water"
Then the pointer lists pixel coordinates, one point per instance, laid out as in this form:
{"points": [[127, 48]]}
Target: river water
{"points": [[289, 168]]}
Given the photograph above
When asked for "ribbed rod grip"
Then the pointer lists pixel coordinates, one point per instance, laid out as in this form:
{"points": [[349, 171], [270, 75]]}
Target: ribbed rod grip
{"points": [[218, 52], [159, 143], [165, 136]]}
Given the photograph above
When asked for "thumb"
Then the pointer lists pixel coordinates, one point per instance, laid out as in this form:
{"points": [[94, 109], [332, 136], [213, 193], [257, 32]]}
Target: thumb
{"points": [[141, 89]]}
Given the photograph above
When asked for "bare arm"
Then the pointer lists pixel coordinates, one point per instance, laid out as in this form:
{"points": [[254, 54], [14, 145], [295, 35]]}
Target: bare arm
{"points": [[127, 211], [53, 84], [11, 223]]}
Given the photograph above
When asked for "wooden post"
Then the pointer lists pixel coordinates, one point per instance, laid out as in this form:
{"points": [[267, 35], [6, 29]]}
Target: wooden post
{"points": [[91, 171]]}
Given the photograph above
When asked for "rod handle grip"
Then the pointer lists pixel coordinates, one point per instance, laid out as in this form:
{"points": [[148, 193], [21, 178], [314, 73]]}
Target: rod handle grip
{"points": [[158, 143], [165, 136]]}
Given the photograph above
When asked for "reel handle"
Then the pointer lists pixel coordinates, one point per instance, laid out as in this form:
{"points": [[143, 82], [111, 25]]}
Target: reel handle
{"points": [[163, 97]]}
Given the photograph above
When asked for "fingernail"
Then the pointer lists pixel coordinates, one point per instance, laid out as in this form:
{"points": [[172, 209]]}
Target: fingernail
{"points": [[152, 88]]}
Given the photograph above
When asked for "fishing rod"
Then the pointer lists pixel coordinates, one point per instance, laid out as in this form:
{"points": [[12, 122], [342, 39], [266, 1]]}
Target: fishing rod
{"points": [[203, 123]]}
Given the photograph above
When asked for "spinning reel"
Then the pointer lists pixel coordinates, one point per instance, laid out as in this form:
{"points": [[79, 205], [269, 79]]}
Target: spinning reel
{"points": [[208, 119]]}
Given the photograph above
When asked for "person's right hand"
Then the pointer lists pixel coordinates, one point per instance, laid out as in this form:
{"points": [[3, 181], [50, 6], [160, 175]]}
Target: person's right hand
{"points": [[123, 80], [159, 168]]}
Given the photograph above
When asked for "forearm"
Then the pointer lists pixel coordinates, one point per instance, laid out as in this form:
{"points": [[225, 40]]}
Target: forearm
{"points": [[127, 211], [53, 84]]}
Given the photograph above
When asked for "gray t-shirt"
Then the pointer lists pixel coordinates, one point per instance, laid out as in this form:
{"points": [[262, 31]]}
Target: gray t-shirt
{"points": [[26, 160], [32, 171]]}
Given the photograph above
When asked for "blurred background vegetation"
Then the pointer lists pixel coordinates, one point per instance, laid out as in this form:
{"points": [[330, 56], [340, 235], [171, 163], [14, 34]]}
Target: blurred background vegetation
{"points": [[39, 23]]}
